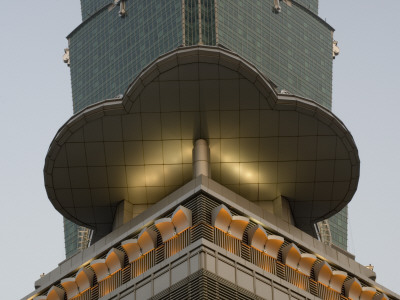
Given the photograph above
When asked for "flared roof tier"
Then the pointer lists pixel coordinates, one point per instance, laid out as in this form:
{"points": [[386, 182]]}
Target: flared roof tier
{"points": [[263, 145]]}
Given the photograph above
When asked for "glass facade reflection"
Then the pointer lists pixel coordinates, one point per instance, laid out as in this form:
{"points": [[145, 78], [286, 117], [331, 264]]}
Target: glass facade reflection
{"points": [[108, 51], [293, 48], [339, 225], [90, 7], [311, 5], [71, 237]]}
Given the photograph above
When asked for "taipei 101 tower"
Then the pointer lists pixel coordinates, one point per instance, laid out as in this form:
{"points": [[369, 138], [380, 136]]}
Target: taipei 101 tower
{"points": [[297, 59], [203, 160]]}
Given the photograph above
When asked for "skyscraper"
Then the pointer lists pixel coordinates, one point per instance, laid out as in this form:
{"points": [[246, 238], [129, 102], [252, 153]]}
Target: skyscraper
{"points": [[208, 152], [290, 48], [293, 49]]}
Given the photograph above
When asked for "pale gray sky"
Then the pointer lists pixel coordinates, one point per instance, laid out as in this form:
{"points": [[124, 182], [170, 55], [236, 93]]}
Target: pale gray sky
{"points": [[36, 100]]}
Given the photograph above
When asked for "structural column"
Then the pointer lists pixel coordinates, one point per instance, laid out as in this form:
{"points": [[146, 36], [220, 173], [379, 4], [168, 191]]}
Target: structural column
{"points": [[201, 158]]}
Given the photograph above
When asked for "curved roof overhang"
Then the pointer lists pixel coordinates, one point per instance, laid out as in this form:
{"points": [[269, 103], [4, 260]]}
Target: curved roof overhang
{"points": [[263, 145]]}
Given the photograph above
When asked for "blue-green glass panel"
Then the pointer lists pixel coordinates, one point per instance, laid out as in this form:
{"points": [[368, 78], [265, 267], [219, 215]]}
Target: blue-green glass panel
{"points": [[339, 225], [312, 5], [208, 22], [293, 48], [89, 7], [191, 22], [70, 237], [107, 51]]}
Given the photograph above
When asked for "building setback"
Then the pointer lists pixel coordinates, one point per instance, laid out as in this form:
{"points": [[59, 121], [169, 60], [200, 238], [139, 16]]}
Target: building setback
{"points": [[202, 153]]}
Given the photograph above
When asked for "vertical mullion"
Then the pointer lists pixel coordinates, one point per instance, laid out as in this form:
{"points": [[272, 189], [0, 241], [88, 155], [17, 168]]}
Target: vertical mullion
{"points": [[200, 23], [216, 21], [183, 23]]}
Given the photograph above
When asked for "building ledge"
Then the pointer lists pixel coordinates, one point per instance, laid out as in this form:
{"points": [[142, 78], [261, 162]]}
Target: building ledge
{"points": [[237, 204]]}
